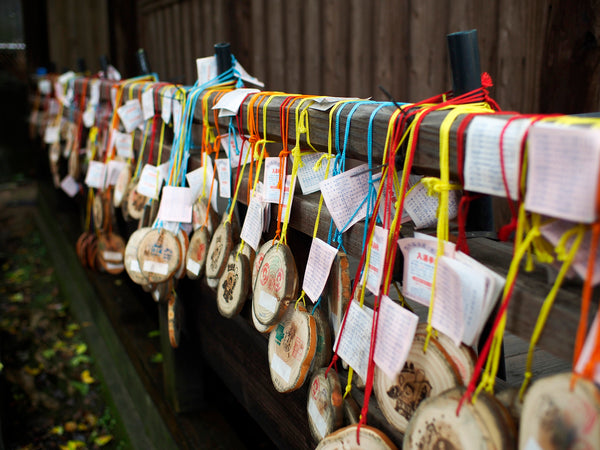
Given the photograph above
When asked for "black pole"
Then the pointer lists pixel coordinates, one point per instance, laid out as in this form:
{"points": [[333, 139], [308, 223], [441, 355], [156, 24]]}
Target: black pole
{"points": [[143, 64], [104, 65], [463, 50], [223, 57]]}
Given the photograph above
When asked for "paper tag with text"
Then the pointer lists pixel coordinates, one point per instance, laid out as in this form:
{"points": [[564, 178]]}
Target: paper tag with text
{"points": [[124, 144], [355, 338], [376, 260], [70, 186], [177, 115], [166, 106], [253, 223], [148, 104], [176, 204], [318, 266], [150, 182], [95, 175], [114, 168], [229, 104], [233, 147], [271, 191], [131, 114], [310, 178], [51, 134], [224, 171], [422, 208]]}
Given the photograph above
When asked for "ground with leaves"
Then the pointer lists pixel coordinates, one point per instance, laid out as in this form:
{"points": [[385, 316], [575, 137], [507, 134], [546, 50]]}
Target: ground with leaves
{"points": [[50, 395]]}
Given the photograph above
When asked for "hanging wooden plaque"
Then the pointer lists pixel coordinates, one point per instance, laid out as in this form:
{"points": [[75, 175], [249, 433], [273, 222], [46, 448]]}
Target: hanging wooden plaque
{"points": [[234, 285], [277, 284], [292, 345], [324, 406], [424, 375], [132, 265], [98, 212], [324, 351], [340, 289], [258, 261], [196, 255], [346, 438], [184, 243], [259, 326], [159, 255], [220, 247], [135, 202], [174, 319], [111, 248], [121, 186], [199, 212]]}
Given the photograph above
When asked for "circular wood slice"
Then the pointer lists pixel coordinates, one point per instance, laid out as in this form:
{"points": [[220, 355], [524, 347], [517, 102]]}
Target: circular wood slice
{"points": [[234, 284], [423, 375], [132, 265], [324, 406], [220, 247], [556, 417], [324, 351], [159, 255], [174, 319], [276, 285], [264, 329], [249, 253], [435, 424], [80, 248], [90, 250], [121, 186], [199, 212], [125, 199], [497, 420], [464, 357], [292, 345], [346, 439], [197, 251], [184, 243], [135, 203], [160, 292], [98, 212], [111, 248], [74, 168], [340, 289], [258, 261]]}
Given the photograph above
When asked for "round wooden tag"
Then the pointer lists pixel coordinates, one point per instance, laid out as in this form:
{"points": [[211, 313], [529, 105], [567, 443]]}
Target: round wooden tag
{"points": [[184, 243], [111, 248], [423, 375], [276, 286], [220, 247], [197, 251], [324, 406], [346, 438], [464, 357], [258, 260], [340, 289], [74, 168], [234, 285], [80, 248], [159, 255], [556, 417], [98, 212], [160, 291], [435, 424], [292, 345], [121, 186], [249, 253], [135, 203], [259, 326], [132, 265], [90, 249], [323, 353], [199, 212], [174, 319]]}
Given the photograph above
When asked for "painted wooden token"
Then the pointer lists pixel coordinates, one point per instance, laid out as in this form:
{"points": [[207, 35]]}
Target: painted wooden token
{"points": [[346, 439], [199, 212], [196, 256], [324, 351], [340, 289], [98, 212], [264, 329], [556, 417], [111, 249], [135, 203], [277, 284], [74, 166], [174, 319], [132, 265], [258, 261], [159, 255], [435, 424], [324, 406], [121, 186], [292, 345], [80, 248], [184, 243], [464, 357], [423, 375], [90, 250], [220, 247], [234, 285]]}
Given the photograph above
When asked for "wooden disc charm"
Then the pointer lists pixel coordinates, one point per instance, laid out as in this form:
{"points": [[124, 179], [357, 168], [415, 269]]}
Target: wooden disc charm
{"points": [[264, 329], [184, 243], [340, 289], [220, 247], [435, 424], [346, 439], [276, 285], [174, 319], [234, 285], [292, 345], [556, 417], [111, 248], [324, 406], [324, 350], [159, 255], [121, 186], [132, 265], [258, 261], [135, 203], [424, 375], [199, 212], [98, 212], [197, 251]]}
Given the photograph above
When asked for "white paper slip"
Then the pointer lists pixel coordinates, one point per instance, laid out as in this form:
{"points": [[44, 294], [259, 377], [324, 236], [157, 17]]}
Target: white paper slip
{"points": [[224, 171], [176, 204], [206, 68], [355, 339], [395, 333], [177, 116], [192, 266], [280, 367], [419, 262], [96, 175], [165, 170], [587, 350], [94, 92], [483, 164], [325, 103], [150, 181], [563, 170], [89, 117], [166, 106], [131, 114], [267, 301], [271, 186], [422, 207], [317, 418], [233, 148], [345, 196], [156, 267], [532, 444], [378, 249], [45, 86], [123, 143], [310, 178], [114, 169], [412, 180], [229, 104], [113, 266], [253, 223], [112, 256], [51, 134], [148, 104], [70, 186], [245, 76], [318, 266]]}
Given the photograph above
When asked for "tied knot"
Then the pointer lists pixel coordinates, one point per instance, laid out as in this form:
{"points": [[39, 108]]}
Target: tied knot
{"points": [[486, 80], [319, 162], [435, 185], [297, 154], [253, 139]]}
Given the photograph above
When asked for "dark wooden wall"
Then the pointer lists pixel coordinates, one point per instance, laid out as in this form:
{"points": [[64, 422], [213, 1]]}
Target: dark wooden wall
{"points": [[542, 54]]}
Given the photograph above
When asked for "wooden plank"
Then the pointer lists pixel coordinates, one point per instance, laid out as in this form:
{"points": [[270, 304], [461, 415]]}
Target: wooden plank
{"points": [[401, 44], [384, 28], [313, 51], [259, 59], [293, 44], [161, 65], [187, 54], [196, 37], [360, 54], [209, 29], [275, 45], [335, 52]]}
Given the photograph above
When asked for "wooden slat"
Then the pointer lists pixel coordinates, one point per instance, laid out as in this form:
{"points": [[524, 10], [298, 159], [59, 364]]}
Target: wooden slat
{"points": [[401, 41], [189, 59], [293, 43], [312, 47], [335, 53], [209, 28], [360, 56], [259, 58], [383, 29], [275, 48]]}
